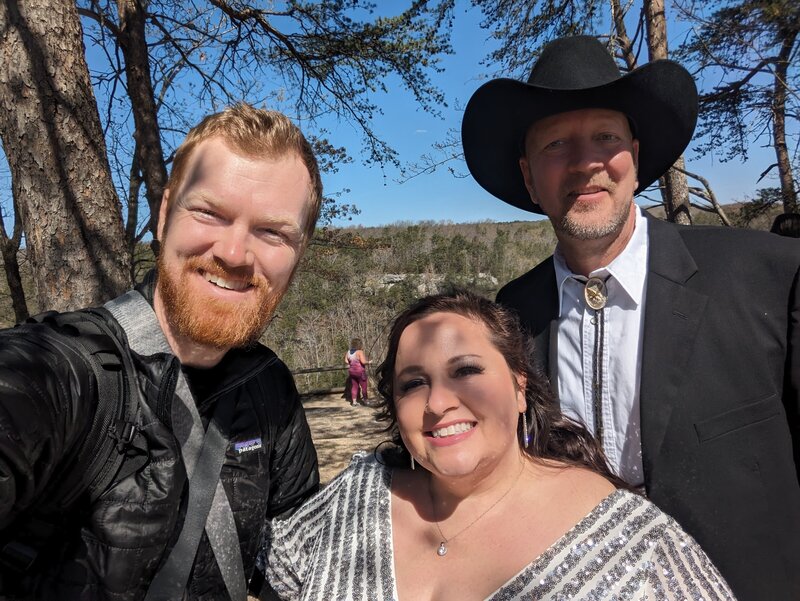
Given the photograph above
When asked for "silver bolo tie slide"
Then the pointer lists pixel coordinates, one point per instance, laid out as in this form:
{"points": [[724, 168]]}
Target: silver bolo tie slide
{"points": [[595, 293]]}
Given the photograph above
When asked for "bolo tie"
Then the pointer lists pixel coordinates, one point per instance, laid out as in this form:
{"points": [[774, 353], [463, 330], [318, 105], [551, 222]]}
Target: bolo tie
{"points": [[595, 293]]}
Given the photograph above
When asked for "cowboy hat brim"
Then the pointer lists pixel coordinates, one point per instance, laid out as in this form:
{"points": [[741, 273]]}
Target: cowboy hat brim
{"points": [[660, 99]]}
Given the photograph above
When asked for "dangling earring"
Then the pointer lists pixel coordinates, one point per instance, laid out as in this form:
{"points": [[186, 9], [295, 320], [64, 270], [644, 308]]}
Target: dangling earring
{"points": [[526, 439], [412, 461]]}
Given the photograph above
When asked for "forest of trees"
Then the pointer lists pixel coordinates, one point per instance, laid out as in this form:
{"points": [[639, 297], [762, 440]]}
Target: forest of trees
{"points": [[354, 288]]}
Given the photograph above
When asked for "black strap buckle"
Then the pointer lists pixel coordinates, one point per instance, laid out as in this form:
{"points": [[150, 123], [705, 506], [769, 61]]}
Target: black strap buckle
{"points": [[18, 556], [125, 438]]}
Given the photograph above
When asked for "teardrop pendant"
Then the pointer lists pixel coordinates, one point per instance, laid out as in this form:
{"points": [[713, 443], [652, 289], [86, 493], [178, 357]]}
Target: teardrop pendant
{"points": [[442, 550]]}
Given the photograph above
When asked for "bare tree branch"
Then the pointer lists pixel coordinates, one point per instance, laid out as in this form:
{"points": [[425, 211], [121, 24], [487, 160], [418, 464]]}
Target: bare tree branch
{"points": [[707, 194]]}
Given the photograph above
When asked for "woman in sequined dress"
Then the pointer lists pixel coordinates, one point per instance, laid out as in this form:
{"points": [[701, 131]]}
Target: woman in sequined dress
{"points": [[488, 491]]}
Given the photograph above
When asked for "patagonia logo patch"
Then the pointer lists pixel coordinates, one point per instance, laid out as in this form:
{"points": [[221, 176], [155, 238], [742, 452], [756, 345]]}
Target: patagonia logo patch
{"points": [[247, 445]]}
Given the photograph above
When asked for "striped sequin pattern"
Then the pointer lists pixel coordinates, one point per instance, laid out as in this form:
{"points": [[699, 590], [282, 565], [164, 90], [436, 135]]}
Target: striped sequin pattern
{"points": [[338, 546]]}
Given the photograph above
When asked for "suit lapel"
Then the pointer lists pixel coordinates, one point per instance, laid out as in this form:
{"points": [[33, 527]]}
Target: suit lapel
{"points": [[672, 316], [542, 321]]}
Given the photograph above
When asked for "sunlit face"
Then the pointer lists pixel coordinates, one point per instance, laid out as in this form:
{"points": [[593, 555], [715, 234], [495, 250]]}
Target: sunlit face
{"points": [[580, 168], [231, 237], [458, 403]]}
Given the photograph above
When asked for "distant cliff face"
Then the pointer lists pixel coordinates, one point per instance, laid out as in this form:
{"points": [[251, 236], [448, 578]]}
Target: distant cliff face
{"points": [[429, 283]]}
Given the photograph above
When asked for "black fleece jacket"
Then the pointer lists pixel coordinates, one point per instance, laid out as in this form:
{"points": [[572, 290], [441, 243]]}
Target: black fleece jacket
{"points": [[110, 550]]}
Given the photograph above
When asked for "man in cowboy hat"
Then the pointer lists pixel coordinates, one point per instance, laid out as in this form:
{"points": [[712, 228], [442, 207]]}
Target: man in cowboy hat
{"points": [[679, 347]]}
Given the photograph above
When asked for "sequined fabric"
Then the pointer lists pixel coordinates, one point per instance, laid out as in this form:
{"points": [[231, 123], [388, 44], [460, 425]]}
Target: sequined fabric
{"points": [[338, 546]]}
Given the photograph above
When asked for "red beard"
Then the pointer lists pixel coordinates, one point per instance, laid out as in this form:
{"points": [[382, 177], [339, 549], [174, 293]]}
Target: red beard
{"points": [[211, 321]]}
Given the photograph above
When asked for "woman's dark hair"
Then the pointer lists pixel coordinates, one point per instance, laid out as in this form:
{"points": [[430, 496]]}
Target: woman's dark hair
{"points": [[552, 435], [356, 344]]}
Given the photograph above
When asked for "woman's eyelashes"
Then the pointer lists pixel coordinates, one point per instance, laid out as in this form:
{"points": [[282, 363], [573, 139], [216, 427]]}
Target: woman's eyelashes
{"points": [[467, 369], [459, 371], [410, 384]]}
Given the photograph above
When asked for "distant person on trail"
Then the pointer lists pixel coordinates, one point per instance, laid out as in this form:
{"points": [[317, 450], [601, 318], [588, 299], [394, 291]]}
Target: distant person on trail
{"points": [[357, 363], [144, 443], [678, 347]]}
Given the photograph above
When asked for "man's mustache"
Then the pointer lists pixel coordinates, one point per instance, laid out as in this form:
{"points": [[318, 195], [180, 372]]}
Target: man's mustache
{"points": [[220, 270], [575, 186]]}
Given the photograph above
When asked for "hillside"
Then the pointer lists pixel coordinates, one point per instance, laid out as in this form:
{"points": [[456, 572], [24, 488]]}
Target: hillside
{"points": [[354, 280]]}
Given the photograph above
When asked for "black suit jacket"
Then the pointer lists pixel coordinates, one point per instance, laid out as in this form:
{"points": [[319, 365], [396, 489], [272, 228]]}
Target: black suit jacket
{"points": [[720, 393]]}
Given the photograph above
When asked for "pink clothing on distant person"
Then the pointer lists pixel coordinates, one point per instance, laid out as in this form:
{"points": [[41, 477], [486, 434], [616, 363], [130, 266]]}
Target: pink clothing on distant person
{"points": [[358, 373]]}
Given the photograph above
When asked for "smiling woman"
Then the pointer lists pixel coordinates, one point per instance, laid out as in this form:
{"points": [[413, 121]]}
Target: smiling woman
{"points": [[488, 493], [447, 389]]}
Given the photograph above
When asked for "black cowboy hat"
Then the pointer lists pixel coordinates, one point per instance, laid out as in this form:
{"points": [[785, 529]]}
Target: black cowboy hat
{"points": [[659, 99]]}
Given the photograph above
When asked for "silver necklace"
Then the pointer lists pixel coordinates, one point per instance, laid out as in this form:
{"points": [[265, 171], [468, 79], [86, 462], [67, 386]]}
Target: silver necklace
{"points": [[441, 551]]}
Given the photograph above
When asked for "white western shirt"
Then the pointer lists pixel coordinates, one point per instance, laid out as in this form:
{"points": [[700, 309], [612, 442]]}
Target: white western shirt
{"points": [[621, 348]]}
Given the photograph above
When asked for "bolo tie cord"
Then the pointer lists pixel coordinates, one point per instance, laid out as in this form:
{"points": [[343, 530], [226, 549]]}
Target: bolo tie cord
{"points": [[597, 376], [596, 295]]}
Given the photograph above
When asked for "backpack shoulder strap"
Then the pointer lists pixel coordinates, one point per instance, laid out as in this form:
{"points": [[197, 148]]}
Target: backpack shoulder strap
{"points": [[91, 468], [114, 422]]}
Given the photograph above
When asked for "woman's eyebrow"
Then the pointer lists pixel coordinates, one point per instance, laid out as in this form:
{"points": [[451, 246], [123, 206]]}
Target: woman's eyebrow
{"points": [[457, 358], [409, 369]]}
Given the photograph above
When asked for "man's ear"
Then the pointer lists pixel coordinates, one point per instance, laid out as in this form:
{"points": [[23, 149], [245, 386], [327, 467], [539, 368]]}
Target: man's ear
{"points": [[163, 211], [525, 168], [636, 160]]}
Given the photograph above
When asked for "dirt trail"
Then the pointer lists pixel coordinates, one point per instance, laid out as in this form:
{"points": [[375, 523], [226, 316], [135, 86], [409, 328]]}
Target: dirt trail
{"points": [[339, 430]]}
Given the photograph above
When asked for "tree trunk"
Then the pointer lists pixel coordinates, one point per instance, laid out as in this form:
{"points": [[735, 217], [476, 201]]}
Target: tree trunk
{"points": [[60, 176], [675, 193], [135, 184], [623, 42], [674, 189], [9, 249], [779, 123], [132, 41], [14, 280]]}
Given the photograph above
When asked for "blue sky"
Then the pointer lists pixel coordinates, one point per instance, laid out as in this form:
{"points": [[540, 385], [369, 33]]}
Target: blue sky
{"points": [[383, 199], [379, 194]]}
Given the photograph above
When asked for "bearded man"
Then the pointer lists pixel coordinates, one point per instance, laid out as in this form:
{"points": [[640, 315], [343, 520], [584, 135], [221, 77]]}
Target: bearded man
{"points": [[677, 346], [218, 441]]}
